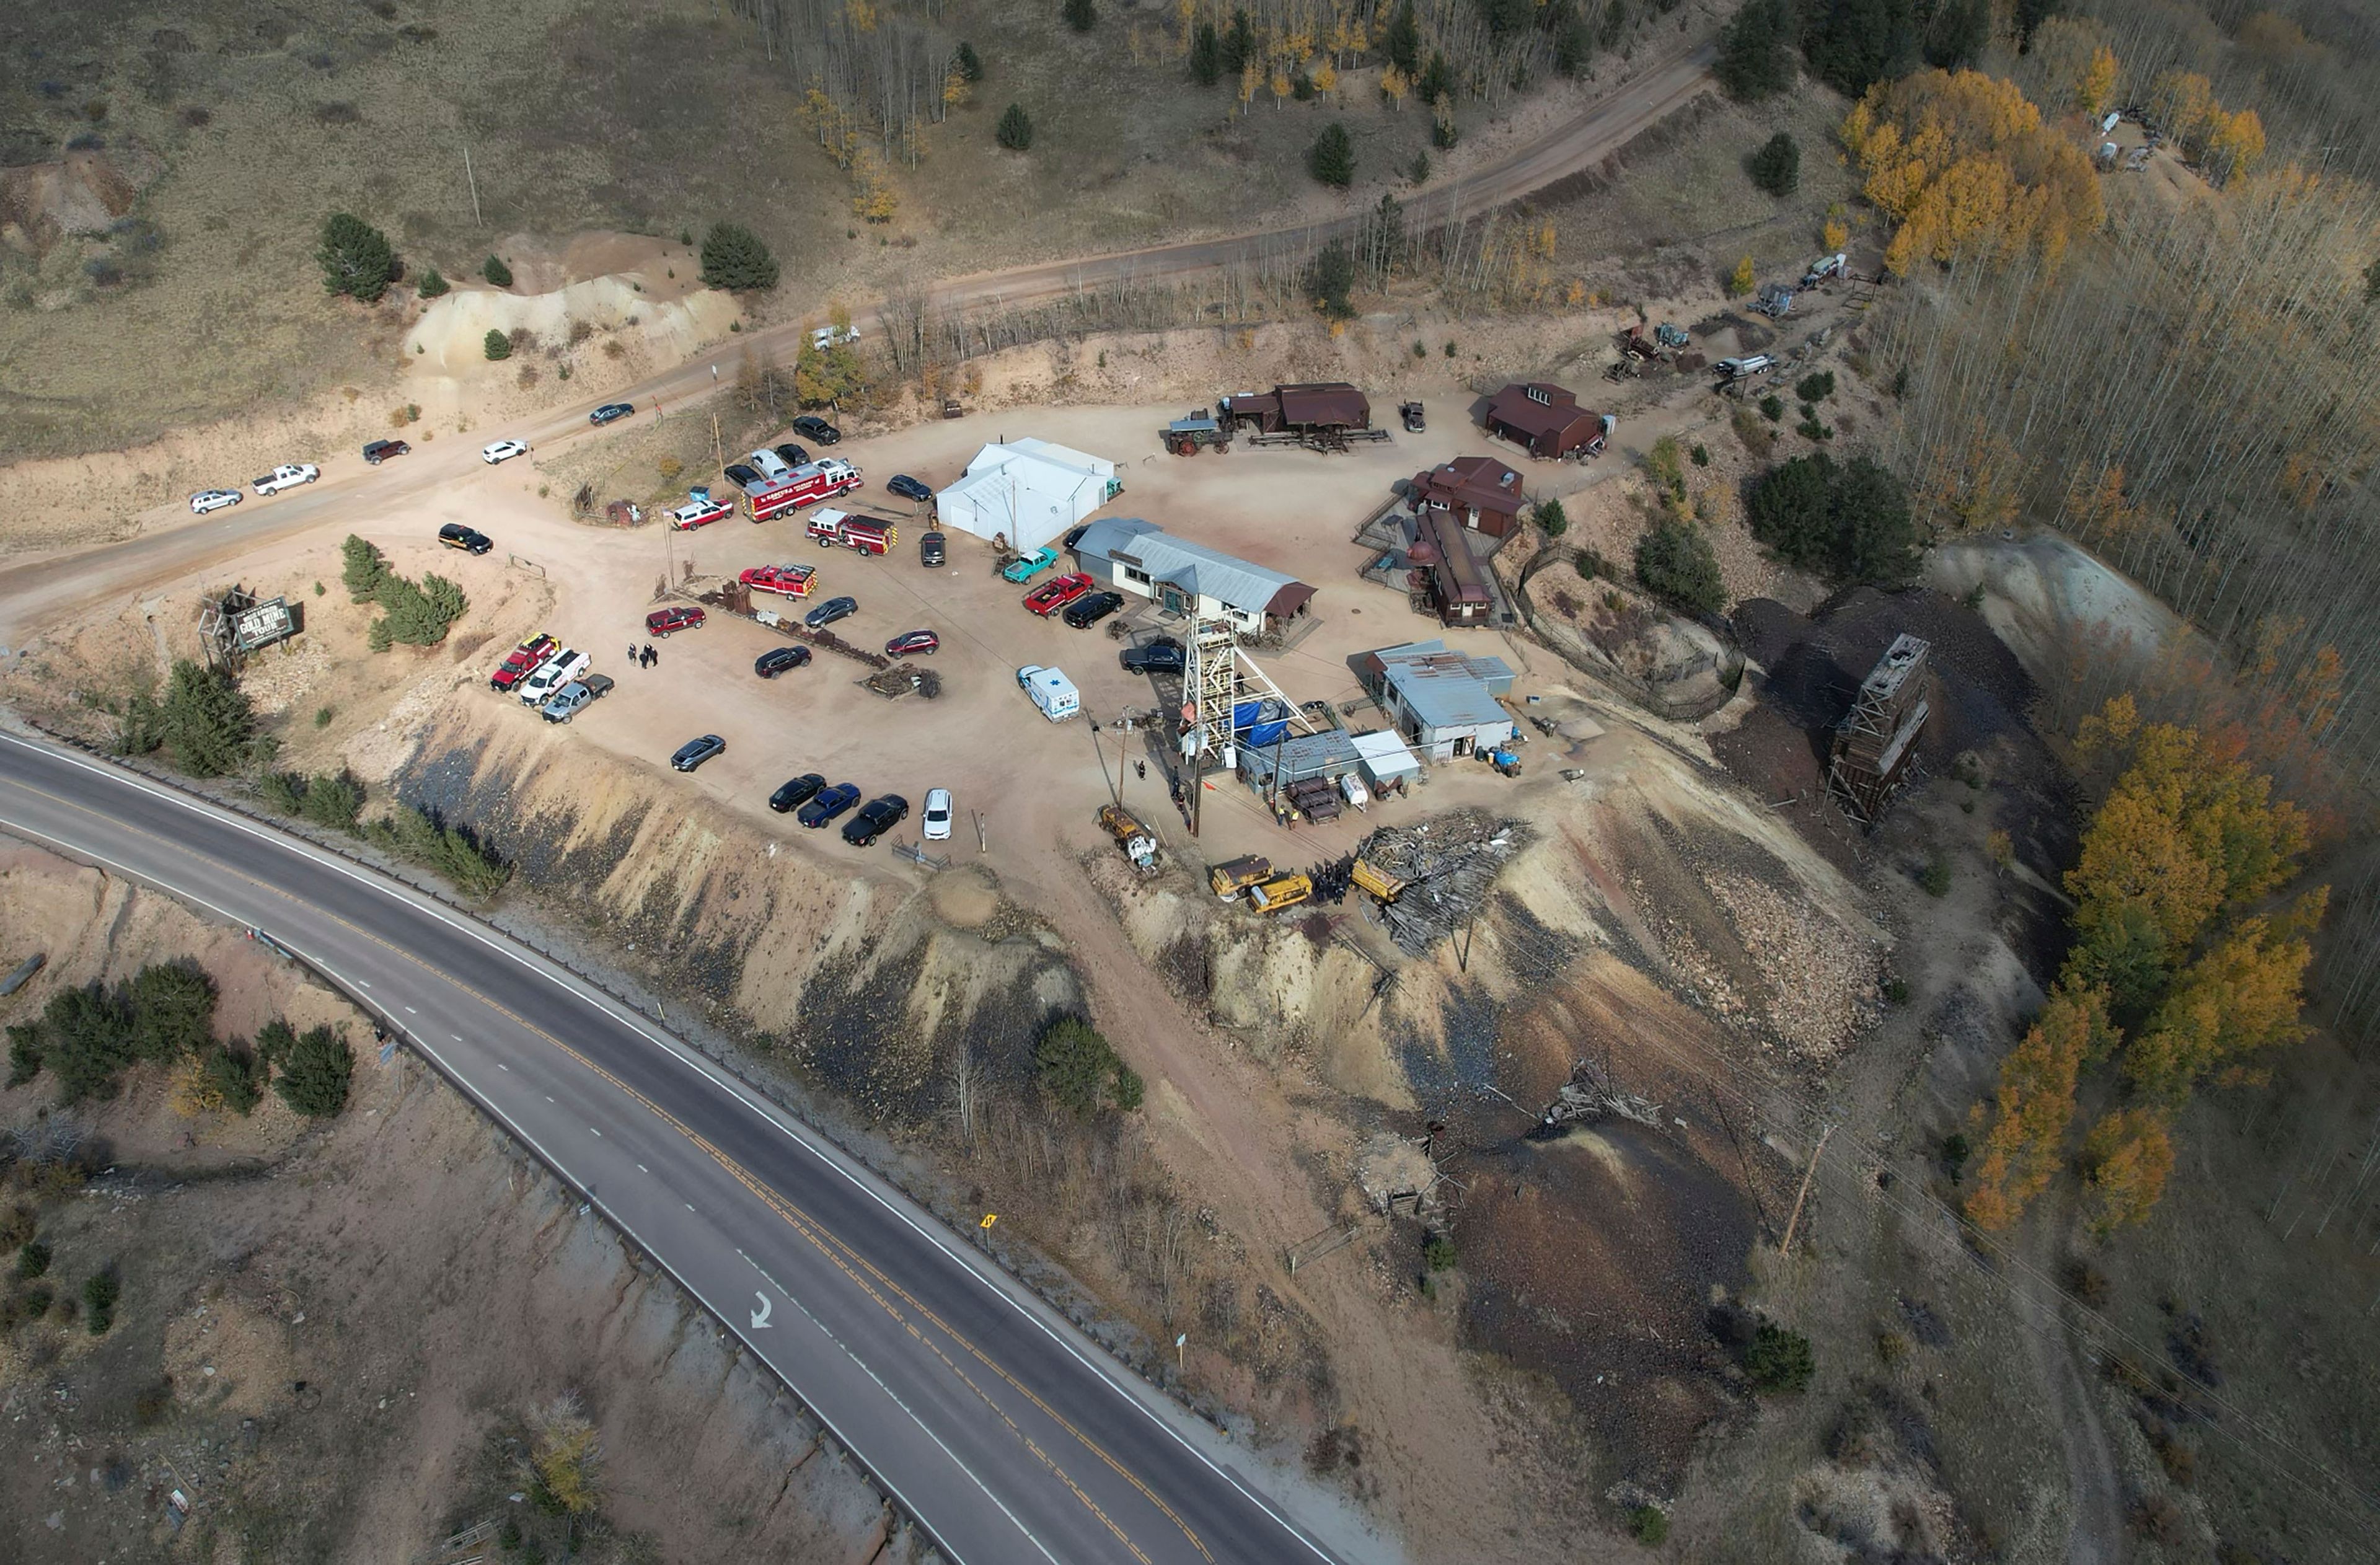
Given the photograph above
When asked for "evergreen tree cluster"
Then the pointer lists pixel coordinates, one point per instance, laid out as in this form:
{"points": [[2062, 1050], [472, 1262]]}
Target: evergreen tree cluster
{"points": [[735, 259], [417, 613], [85, 1037], [1848, 521]]}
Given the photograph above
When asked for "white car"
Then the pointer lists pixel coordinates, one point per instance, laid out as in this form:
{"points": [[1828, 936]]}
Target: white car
{"points": [[937, 819], [550, 676], [208, 499], [503, 450], [825, 337], [289, 475]]}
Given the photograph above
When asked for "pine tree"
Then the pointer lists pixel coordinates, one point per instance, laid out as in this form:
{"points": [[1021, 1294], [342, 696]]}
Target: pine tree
{"points": [[206, 720], [497, 345], [367, 567], [1775, 168], [1080, 15], [315, 1073], [432, 285], [497, 272], [355, 258], [1752, 63], [1401, 41], [735, 259], [1205, 56], [969, 63], [173, 1006], [1331, 160], [1016, 129]]}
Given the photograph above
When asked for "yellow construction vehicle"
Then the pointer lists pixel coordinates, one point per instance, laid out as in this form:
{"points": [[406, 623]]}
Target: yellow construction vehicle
{"points": [[1281, 890], [1138, 842], [1378, 882], [1231, 876]]}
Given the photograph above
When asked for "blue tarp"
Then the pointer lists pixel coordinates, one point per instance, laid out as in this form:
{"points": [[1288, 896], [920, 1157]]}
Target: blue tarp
{"points": [[1266, 734]]}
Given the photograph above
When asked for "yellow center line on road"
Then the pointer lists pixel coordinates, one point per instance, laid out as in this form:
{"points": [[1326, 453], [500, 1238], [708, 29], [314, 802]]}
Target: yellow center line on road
{"points": [[826, 1243]]}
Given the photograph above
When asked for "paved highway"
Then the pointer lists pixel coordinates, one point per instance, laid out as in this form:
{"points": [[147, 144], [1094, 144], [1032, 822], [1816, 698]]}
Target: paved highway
{"points": [[1008, 1436], [34, 589]]}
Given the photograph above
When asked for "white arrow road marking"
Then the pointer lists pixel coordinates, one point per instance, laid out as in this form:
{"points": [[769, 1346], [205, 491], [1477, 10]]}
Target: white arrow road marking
{"points": [[760, 1316]]}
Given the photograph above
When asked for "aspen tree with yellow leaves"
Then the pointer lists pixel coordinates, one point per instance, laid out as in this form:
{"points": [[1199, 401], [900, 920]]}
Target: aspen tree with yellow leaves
{"points": [[2172, 975]]}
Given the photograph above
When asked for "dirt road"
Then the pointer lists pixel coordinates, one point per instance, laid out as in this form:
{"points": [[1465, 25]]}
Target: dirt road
{"points": [[36, 586]]}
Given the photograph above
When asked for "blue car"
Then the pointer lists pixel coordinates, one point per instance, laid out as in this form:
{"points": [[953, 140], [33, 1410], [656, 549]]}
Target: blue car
{"points": [[828, 804], [609, 411]]}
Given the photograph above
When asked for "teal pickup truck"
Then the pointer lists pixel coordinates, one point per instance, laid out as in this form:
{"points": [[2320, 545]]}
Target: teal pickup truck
{"points": [[1025, 567]]}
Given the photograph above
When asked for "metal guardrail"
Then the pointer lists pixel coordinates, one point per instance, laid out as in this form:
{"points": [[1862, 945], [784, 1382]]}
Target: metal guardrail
{"points": [[1044, 1278]]}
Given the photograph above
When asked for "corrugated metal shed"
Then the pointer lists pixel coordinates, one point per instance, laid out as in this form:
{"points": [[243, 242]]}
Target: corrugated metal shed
{"points": [[1444, 689], [1384, 755], [1331, 755]]}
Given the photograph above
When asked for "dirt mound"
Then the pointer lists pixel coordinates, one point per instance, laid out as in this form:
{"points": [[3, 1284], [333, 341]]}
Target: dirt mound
{"points": [[83, 192], [1671, 666], [1811, 667]]}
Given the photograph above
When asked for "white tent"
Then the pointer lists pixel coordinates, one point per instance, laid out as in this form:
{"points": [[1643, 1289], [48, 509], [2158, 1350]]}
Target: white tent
{"points": [[1029, 491]]}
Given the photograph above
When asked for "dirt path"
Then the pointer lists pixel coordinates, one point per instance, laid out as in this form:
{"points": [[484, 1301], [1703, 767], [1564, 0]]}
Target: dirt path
{"points": [[2097, 1534], [1228, 1134]]}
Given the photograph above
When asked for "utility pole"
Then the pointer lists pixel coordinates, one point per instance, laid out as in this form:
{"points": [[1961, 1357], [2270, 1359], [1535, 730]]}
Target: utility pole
{"points": [[1785, 1245]]}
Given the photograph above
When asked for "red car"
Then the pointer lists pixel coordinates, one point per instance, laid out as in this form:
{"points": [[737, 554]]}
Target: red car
{"points": [[683, 616], [1052, 596], [523, 660], [910, 641], [788, 581]]}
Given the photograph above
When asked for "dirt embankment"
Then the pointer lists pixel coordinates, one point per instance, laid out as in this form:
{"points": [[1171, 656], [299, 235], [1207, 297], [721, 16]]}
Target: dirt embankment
{"points": [[862, 981], [329, 1340]]}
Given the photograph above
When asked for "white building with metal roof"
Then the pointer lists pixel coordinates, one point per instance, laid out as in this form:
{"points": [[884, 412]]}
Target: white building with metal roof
{"points": [[1028, 491], [1140, 557]]}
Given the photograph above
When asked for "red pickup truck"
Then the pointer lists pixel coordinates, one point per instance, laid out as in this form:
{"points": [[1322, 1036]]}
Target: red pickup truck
{"points": [[522, 662], [1052, 596]]}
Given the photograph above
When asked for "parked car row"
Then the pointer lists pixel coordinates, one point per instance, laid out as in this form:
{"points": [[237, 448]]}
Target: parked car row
{"points": [[814, 801], [550, 678], [289, 475]]}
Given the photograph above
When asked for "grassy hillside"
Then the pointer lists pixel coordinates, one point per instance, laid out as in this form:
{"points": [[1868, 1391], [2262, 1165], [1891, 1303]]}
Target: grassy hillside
{"points": [[226, 133]]}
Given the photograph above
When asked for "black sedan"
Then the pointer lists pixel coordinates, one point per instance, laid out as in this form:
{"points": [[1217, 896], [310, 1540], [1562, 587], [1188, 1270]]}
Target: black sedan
{"points": [[797, 792], [777, 659], [791, 455], [908, 487], [809, 426], [1092, 609], [879, 816], [826, 805], [932, 549], [694, 752], [833, 609], [454, 535], [611, 412], [1160, 656]]}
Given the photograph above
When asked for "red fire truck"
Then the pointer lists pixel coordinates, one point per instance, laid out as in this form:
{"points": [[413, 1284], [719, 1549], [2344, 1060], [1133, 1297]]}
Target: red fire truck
{"points": [[865, 535], [806, 485]]}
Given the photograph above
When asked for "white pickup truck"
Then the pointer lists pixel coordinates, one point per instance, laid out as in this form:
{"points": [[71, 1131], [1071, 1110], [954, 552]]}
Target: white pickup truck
{"points": [[287, 477]]}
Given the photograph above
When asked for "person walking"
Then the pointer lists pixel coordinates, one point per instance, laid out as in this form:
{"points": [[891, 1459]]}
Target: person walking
{"points": [[651, 657], [632, 652]]}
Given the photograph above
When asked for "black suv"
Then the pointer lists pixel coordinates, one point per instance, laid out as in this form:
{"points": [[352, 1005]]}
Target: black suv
{"points": [[381, 451], [809, 426], [1160, 656], [797, 792], [931, 551], [877, 816], [1090, 611], [777, 659], [791, 455], [454, 535], [744, 476]]}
